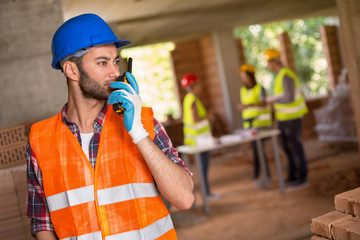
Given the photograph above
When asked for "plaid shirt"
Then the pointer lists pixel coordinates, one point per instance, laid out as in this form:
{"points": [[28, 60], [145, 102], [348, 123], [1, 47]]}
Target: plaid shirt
{"points": [[37, 208]]}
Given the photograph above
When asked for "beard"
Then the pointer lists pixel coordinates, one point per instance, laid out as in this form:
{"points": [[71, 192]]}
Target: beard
{"points": [[91, 88]]}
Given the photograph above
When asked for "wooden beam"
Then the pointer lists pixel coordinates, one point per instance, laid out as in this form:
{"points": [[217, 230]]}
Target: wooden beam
{"points": [[330, 41], [286, 53]]}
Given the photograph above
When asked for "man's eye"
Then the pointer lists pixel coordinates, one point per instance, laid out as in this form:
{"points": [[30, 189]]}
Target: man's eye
{"points": [[102, 63], [117, 62]]}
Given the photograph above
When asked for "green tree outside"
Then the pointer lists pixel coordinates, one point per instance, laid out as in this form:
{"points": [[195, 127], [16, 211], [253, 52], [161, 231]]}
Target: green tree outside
{"points": [[309, 58], [152, 70]]}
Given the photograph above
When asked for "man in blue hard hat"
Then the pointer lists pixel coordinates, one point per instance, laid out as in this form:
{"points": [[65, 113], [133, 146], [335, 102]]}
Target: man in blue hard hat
{"points": [[93, 174]]}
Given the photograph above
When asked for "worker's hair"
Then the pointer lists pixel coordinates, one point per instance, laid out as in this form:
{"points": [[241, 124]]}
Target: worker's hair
{"points": [[78, 62], [277, 60], [252, 78]]}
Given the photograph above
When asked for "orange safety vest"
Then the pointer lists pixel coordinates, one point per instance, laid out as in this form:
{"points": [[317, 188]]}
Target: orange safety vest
{"points": [[117, 200]]}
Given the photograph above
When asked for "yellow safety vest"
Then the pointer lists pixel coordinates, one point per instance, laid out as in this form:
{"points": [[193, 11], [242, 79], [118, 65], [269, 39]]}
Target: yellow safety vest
{"points": [[257, 117], [295, 109], [194, 130]]}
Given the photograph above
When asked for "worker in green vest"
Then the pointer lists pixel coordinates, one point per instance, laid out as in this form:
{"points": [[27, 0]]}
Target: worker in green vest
{"points": [[290, 107], [254, 110], [197, 129]]}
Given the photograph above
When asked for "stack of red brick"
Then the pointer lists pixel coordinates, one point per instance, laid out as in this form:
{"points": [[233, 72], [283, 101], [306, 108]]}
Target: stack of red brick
{"points": [[14, 224], [342, 224]]}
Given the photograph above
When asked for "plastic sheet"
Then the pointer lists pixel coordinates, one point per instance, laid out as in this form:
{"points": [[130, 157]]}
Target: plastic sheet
{"points": [[335, 121]]}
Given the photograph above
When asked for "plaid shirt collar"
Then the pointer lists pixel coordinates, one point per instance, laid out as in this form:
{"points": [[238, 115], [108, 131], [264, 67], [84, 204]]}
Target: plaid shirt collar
{"points": [[98, 123]]}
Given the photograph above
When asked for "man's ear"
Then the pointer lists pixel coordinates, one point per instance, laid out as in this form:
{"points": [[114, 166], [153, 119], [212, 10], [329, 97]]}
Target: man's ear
{"points": [[71, 70]]}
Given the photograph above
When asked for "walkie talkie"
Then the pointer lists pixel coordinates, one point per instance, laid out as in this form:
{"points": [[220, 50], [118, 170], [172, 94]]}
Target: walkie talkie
{"points": [[117, 107]]}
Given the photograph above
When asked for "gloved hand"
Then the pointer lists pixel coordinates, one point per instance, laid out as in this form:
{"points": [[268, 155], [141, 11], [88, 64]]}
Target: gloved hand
{"points": [[128, 97]]}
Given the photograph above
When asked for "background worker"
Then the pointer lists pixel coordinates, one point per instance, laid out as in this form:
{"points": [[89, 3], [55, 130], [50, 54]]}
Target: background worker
{"points": [[254, 110], [289, 107], [93, 174], [197, 128]]}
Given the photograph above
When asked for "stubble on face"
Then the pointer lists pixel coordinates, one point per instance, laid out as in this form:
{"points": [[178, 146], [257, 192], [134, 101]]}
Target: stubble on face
{"points": [[92, 89]]}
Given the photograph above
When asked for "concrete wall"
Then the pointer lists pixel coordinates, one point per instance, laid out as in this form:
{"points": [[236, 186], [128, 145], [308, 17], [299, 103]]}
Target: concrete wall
{"points": [[30, 89]]}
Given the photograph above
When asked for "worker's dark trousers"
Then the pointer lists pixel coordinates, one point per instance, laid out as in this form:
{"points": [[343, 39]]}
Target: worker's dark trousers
{"points": [[205, 165], [257, 159], [291, 144]]}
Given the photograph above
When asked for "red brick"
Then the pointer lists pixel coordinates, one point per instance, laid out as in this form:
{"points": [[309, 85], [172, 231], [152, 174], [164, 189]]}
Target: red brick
{"points": [[322, 225], [348, 202], [346, 229]]}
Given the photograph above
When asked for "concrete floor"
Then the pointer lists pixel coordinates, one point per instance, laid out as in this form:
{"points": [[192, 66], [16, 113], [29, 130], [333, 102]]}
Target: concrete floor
{"points": [[246, 211]]}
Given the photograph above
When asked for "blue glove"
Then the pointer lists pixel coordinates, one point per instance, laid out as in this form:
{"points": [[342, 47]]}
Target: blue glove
{"points": [[128, 97]]}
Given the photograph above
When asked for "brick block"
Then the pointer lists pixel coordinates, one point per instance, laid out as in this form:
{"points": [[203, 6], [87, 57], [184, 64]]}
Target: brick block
{"points": [[348, 202], [322, 225], [12, 135], [346, 229], [318, 238], [13, 155]]}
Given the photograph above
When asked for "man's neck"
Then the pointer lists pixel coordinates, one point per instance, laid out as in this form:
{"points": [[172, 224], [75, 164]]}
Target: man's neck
{"points": [[83, 112]]}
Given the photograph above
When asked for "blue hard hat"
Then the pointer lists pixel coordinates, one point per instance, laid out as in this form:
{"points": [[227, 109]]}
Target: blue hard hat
{"points": [[80, 32]]}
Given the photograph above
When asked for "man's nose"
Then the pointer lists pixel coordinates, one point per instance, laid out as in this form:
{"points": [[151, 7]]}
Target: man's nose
{"points": [[115, 72]]}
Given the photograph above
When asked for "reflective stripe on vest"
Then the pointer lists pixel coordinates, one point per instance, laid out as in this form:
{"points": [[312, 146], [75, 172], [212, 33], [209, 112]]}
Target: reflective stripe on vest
{"points": [[126, 192], [71, 198], [105, 196], [89, 236], [118, 197], [194, 130], [295, 109], [257, 117], [153, 231]]}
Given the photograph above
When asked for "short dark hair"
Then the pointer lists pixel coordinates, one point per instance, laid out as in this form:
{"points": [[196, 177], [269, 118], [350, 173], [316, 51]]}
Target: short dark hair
{"points": [[252, 78], [78, 61]]}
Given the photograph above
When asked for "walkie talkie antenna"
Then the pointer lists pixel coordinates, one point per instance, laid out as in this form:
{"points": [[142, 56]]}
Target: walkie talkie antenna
{"points": [[129, 65]]}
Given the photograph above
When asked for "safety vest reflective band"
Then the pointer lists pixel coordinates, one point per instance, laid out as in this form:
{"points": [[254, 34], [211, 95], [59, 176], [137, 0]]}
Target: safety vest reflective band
{"points": [[90, 236], [193, 130], [295, 109], [257, 117], [105, 196], [118, 198], [148, 233], [126, 192]]}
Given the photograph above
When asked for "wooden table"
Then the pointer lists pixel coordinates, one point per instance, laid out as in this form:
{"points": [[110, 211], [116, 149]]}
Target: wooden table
{"points": [[185, 151]]}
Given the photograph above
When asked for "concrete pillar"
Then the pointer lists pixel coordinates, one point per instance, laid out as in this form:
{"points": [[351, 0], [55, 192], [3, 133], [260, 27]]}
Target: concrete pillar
{"points": [[30, 88], [350, 33], [286, 53], [329, 38], [228, 64]]}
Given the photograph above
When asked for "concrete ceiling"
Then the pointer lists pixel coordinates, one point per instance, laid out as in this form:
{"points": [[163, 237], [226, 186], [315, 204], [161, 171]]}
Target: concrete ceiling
{"points": [[152, 21]]}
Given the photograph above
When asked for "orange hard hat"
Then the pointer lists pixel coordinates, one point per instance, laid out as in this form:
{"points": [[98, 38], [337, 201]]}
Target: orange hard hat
{"points": [[188, 80], [271, 54], [247, 68]]}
